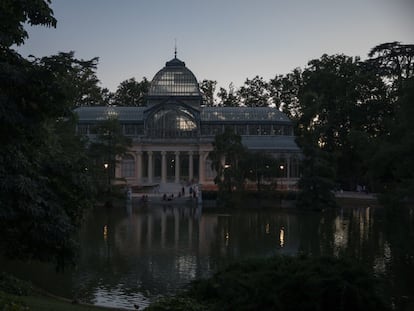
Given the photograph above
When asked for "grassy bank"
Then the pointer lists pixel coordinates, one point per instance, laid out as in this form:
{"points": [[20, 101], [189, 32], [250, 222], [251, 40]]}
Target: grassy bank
{"points": [[17, 295]]}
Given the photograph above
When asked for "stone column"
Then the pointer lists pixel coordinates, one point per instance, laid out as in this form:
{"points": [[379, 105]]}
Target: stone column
{"points": [[177, 166], [139, 166], [190, 166], [201, 167], [150, 169], [288, 172], [163, 166]]}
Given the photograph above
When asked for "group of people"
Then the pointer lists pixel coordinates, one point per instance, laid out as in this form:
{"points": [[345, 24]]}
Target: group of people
{"points": [[193, 192]]}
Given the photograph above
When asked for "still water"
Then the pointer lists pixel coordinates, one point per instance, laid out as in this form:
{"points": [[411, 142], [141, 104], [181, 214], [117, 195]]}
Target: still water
{"points": [[133, 254]]}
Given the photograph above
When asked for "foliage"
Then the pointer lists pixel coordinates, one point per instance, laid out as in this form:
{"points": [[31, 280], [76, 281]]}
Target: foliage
{"points": [[208, 88], [11, 285], [284, 90], [131, 93], [394, 61], [392, 163], [178, 303], [106, 148], [77, 78], [317, 182], [227, 156], [254, 93], [342, 108], [9, 303], [259, 166], [43, 181], [14, 14], [228, 98], [288, 283]]}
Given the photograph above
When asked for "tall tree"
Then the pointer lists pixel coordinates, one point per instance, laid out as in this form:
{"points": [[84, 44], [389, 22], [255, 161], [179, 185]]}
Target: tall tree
{"points": [[208, 89], [391, 162], [44, 183], [227, 156], [341, 105], [395, 61], [228, 98], [109, 145], [78, 77], [254, 93], [131, 93], [284, 92]]}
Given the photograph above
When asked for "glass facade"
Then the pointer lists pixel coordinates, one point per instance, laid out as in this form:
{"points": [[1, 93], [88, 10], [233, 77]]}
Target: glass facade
{"points": [[172, 123]]}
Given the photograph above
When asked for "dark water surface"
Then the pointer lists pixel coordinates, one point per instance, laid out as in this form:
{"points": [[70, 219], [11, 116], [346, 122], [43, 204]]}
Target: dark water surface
{"points": [[133, 254]]}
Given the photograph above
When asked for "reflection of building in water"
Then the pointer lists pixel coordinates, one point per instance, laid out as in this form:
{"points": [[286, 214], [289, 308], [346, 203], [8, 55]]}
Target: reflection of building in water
{"points": [[173, 133]]}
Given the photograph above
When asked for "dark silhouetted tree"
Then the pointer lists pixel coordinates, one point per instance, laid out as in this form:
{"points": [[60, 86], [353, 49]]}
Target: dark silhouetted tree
{"points": [[208, 89], [228, 98], [44, 178], [78, 77], [227, 156], [254, 93], [131, 93]]}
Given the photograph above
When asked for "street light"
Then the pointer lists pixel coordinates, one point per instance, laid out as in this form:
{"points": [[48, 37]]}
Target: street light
{"points": [[106, 166], [282, 167]]}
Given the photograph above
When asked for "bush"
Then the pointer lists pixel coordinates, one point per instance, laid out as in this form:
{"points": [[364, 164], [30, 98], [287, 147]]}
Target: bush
{"points": [[288, 283]]}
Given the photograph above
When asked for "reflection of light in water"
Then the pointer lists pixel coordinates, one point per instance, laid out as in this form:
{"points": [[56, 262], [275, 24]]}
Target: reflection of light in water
{"points": [[105, 232], [340, 234], [186, 267], [227, 238], [381, 263], [119, 296], [282, 236], [267, 228]]}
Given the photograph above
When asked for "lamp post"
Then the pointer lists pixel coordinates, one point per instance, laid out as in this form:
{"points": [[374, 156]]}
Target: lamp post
{"points": [[106, 166], [281, 167]]}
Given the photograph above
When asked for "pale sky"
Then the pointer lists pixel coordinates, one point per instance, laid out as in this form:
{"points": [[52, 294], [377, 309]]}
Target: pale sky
{"points": [[222, 40]]}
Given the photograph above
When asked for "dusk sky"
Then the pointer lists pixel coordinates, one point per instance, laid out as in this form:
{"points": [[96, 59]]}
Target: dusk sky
{"points": [[227, 41]]}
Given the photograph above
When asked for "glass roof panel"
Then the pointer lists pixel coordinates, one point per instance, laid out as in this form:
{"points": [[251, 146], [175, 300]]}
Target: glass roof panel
{"points": [[242, 114], [101, 113], [174, 80]]}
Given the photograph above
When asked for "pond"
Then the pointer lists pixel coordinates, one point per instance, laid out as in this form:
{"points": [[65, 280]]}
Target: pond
{"points": [[133, 254]]}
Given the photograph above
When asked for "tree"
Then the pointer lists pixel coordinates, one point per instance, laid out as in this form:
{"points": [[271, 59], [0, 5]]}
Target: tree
{"points": [[259, 166], [318, 178], [110, 144], [78, 77], [394, 61], [392, 164], [284, 92], [14, 14], [208, 88], [131, 93], [342, 107], [228, 99], [227, 156], [254, 93], [44, 181]]}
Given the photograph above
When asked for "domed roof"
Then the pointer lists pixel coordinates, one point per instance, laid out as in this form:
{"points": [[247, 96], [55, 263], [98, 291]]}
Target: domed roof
{"points": [[174, 80]]}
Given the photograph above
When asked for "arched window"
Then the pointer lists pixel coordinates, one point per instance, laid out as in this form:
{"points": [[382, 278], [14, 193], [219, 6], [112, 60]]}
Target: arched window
{"points": [[128, 166], [172, 123]]}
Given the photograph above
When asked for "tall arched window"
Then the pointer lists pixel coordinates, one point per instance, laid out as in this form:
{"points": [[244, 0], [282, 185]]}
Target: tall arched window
{"points": [[128, 166]]}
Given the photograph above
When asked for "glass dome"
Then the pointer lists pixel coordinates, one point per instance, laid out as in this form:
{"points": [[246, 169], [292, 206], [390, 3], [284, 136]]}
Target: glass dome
{"points": [[174, 80]]}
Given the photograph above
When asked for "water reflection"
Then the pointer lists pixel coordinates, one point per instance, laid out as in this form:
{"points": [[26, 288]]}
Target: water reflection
{"points": [[132, 254]]}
